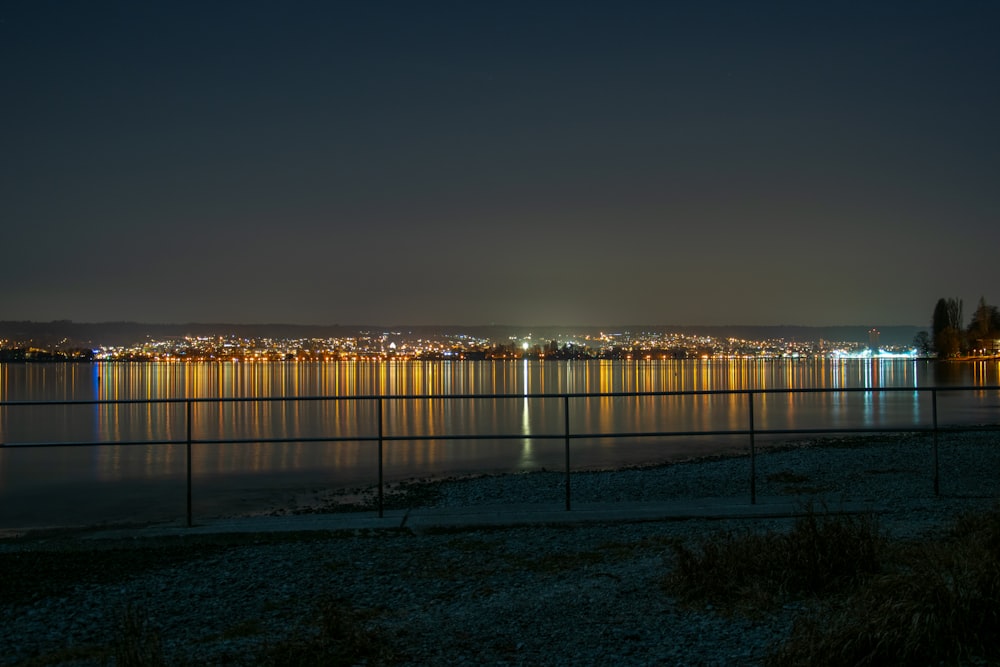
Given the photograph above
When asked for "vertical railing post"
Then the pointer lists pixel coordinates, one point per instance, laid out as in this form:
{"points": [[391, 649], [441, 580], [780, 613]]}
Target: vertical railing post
{"points": [[566, 434], [753, 451], [189, 514], [937, 474], [380, 436]]}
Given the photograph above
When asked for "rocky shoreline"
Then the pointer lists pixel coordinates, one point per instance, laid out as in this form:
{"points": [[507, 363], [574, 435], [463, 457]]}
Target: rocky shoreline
{"points": [[577, 594], [894, 472]]}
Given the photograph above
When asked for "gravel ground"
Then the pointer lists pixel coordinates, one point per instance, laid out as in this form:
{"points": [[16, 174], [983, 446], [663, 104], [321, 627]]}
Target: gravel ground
{"points": [[577, 594]]}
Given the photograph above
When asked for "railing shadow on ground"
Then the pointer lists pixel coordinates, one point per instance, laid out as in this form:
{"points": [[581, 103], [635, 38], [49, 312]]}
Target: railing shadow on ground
{"points": [[380, 436]]}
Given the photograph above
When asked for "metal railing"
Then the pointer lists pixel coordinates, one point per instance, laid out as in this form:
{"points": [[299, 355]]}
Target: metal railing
{"points": [[751, 431]]}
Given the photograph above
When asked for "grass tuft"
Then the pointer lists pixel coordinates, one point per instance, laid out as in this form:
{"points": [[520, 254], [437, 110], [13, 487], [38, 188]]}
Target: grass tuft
{"points": [[339, 638], [939, 603], [745, 570], [137, 643]]}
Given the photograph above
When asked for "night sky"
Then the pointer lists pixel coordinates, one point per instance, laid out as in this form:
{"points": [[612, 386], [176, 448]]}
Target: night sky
{"points": [[498, 162]]}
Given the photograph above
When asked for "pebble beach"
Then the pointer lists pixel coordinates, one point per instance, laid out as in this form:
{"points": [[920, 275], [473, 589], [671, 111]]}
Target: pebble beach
{"points": [[587, 594]]}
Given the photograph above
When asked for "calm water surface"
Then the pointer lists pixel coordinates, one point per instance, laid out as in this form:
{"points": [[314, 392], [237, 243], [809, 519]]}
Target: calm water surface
{"points": [[92, 481]]}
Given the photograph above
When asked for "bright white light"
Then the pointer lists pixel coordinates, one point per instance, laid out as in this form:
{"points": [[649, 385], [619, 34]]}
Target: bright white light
{"points": [[880, 354]]}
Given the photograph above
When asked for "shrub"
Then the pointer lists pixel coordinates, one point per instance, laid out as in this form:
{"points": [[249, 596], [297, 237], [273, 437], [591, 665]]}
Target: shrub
{"points": [[340, 638], [939, 605], [137, 643], [821, 553]]}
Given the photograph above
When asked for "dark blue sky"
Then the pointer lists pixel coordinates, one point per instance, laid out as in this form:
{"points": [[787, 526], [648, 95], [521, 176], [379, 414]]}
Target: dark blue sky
{"points": [[521, 163]]}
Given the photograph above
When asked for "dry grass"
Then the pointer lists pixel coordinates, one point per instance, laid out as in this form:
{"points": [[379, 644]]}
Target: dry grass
{"points": [[746, 571], [936, 603], [340, 637], [873, 602], [137, 643]]}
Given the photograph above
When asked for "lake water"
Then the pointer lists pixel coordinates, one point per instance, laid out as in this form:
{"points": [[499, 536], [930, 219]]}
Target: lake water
{"points": [[84, 483]]}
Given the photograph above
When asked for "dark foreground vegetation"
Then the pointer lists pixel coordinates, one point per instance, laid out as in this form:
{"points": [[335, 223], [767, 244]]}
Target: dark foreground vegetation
{"points": [[337, 632], [863, 599], [870, 601], [949, 336], [340, 640]]}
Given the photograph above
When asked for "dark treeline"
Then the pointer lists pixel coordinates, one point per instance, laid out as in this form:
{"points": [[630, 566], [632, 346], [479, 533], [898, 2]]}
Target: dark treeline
{"points": [[30, 354], [949, 336]]}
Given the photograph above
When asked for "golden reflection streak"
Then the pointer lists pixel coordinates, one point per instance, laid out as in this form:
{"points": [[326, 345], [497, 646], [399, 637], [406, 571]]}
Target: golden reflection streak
{"points": [[527, 457], [256, 379]]}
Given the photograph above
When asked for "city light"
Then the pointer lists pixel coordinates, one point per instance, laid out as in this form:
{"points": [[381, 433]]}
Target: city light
{"points": [[401, 346]]}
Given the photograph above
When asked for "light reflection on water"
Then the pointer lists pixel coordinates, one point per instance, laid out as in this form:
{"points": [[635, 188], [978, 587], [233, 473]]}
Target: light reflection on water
{"points": [[425, 415]]}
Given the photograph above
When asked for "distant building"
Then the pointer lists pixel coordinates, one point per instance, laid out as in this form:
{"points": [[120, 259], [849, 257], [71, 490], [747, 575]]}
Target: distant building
{"points": [[873, 343]]}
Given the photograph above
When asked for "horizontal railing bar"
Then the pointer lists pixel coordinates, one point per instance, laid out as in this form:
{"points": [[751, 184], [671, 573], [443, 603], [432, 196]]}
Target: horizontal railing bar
{"points": [[507, 436], [759, 431], [136, 443], [507, 396], [566, 434], [588, 395], [89, 443], [271, 441]]}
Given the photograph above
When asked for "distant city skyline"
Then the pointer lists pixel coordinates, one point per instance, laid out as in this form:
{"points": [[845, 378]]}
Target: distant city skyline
{"points": [[523, 163], [66, 334], [210, 343]]}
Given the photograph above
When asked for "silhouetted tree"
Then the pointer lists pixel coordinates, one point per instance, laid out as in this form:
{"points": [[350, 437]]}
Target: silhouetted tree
{"points": [[922, 342], [946, 327], [984, 327]]}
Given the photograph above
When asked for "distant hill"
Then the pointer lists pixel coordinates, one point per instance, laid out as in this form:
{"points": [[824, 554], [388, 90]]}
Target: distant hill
{"points": [[888, 335], [124, 333]]}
